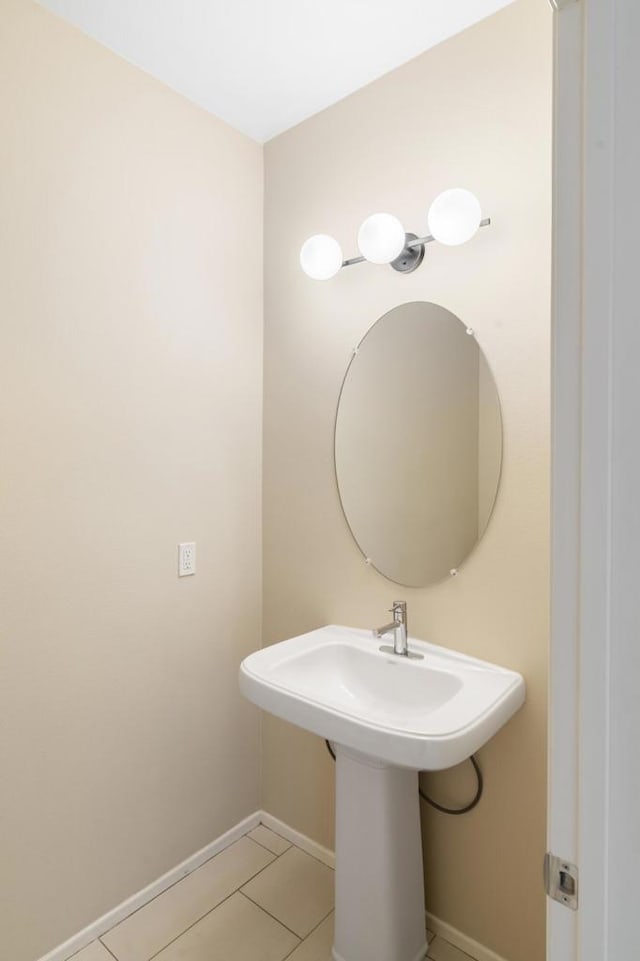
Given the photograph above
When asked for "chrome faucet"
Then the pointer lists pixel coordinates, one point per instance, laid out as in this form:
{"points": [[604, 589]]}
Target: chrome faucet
{"points": [[398, 627]]}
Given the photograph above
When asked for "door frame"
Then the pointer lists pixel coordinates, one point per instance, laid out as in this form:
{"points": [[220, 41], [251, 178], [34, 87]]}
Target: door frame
{"points": [[566, 385], [594, 711]]}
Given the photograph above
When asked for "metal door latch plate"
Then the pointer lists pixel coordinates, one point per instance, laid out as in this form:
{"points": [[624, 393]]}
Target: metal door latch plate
{"points": [[561, 880]]}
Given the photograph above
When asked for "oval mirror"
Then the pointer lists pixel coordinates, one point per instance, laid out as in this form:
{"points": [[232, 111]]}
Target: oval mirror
{"points": [[418, 444]]}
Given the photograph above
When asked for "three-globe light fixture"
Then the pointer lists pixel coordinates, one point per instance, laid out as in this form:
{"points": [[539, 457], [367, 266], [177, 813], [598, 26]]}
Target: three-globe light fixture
{"points": [[453, 218]]}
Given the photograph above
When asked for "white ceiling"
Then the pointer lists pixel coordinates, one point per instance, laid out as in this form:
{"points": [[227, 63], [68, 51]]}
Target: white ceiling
{"points": [[265, 65]]}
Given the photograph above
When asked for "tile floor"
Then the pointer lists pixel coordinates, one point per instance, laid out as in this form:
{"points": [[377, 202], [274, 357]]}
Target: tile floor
{"points": [[261, 899]]}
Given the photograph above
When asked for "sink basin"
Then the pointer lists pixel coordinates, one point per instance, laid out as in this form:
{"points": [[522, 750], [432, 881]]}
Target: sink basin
{"points": [[423, 714], [388, 718]]}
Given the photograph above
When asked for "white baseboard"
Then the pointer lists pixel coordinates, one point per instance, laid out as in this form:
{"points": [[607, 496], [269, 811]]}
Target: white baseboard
{"points": [[300, 840], [127, 907], [103, 924], [461, 941]]}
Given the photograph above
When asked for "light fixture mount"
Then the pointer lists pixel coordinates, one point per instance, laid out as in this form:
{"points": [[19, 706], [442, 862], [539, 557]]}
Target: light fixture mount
{"points": [[410, 257]]}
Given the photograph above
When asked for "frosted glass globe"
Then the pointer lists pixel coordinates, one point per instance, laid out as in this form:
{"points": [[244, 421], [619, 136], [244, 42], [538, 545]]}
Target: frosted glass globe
{"points": [[381, 238], [454, 216], [321, 257]]}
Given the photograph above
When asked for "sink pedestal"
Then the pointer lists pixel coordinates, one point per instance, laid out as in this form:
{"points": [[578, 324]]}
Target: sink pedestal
{"points": [[390, 717], [379, 914]]}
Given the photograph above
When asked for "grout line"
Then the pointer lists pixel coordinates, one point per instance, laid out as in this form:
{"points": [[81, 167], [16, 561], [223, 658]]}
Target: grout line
{"points": [[214, 908], [95, 941], [293, 950], [255, 841], [206, 914], [260, 844], [464, 956], [309, 855], [180, 880], [292, 844], [321, 921], [108, 950], [271, 831], [100, 926], [263, 847], [280, 922], [76, 953], [173, 885], [274, 858], [273, 918], [282, 853], [237, 890], [249, 898], [288, 835], [262, 908], [311, 932]]}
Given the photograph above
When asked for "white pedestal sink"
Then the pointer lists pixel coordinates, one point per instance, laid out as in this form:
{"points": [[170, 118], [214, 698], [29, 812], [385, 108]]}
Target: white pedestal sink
{"points": [[388, 717]]}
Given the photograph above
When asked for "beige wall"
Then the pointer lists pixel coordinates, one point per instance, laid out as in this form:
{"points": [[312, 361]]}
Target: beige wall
{"points": [[131, 338], [475, 112]]}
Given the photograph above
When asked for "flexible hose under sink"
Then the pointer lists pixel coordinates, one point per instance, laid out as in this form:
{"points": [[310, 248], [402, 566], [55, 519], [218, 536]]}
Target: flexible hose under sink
{"points": [[434, 804]]}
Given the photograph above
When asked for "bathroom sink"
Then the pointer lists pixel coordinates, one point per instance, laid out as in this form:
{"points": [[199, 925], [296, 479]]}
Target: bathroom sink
{"points": [[388, 716], [423, 714]]}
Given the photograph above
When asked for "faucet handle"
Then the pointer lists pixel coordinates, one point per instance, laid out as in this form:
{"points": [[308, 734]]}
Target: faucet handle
{"points": [[398, 606]]}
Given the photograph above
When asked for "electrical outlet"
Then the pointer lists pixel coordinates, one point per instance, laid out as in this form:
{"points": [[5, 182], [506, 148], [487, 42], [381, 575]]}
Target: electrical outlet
{"points": [[186, 559]]}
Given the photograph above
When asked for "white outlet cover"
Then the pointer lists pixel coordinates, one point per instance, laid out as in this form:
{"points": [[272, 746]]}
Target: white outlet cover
{"points": [[186, 559]]}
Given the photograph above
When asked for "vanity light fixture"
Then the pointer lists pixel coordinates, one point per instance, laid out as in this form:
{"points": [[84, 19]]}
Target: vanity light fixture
{"points": [[454, 217], [381, 238]]}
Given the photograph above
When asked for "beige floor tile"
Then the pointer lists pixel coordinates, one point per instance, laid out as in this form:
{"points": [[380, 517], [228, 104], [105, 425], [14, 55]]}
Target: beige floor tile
{"points": [[144, 933], [296, 889], [93, 952], [317, 947], [237, 930], [441, 950], [273, 842], [430, 936]]}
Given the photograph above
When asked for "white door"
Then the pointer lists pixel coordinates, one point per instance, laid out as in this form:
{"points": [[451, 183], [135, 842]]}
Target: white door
{"points": [[594, 744]]}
